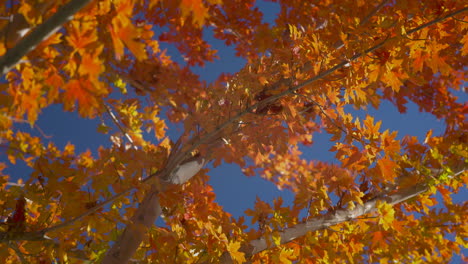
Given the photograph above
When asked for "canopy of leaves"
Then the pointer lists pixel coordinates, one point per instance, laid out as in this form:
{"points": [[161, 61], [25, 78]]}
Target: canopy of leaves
{"points": [[306, 73]]}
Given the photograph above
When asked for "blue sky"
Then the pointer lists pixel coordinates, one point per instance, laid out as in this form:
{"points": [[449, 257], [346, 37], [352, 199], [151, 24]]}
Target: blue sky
{"points": [[228, 179]]}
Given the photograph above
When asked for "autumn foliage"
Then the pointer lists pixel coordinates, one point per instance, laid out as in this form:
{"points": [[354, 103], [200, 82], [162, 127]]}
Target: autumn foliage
{"points": [[388, 197]]}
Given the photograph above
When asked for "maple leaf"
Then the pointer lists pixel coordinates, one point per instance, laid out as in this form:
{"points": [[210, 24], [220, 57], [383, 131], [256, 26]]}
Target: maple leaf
{"points": [[378, 240], [387, 168], [286, 256], [317, 62], [55, 81], [389, 144], [159, 128], [126, 33], [91, 65], [426, 202], [464, 40], [435, 61], [445, 194], [233, 249], [387, 215], [80, 39], [371, 129], [79, 90], [196, 8]]}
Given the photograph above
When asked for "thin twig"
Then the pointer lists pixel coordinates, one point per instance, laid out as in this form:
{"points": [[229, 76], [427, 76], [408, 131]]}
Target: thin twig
{"points": [[136, 84], [18, 252], [432, 22], [194, 143], [117, 123], [373, 12], [326, 115], [459, 20], [18, 120], [90, 211], [14, 184]]}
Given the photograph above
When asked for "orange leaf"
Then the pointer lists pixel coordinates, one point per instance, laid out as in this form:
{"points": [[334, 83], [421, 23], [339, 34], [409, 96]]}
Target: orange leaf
{"points": [[80, 38], [387, 168], [445, 194], [435, 62], [389, 144], [378, 240], [126, 33], [79, 90], [372, 129], [117, 42], [426, 201], [464, 40], [197, 8], [355, 157], [91, 65]]}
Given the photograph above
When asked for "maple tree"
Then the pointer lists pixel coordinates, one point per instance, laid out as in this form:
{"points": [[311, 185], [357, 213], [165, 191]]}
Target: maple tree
{"points": [[304, 75]]}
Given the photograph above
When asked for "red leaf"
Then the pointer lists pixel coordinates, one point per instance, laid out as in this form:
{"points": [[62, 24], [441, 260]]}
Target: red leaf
{"points": [[18, 220]]}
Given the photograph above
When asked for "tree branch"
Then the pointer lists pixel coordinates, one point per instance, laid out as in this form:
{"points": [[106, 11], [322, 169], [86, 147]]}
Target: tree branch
{"points": [[336, 217], [333, 218], [39, 34], [40, 235], [373, 12], [149, 210], [117, 123], [119, 254], [18, 252], [204, 139], [129, 241]]}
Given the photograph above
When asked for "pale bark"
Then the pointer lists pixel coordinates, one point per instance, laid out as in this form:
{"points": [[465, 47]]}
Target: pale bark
{"points": [[149, 210], [336, 217], [259, 245], [129, 241]]}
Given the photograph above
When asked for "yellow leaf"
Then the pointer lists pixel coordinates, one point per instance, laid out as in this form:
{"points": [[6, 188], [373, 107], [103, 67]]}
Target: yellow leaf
{"points": [[159, 127], [372, 129], [69, 149], [286, 256], [119, 83], [153, 3], [276, 238], [233, 249], [392, 78], [387, 214]]}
